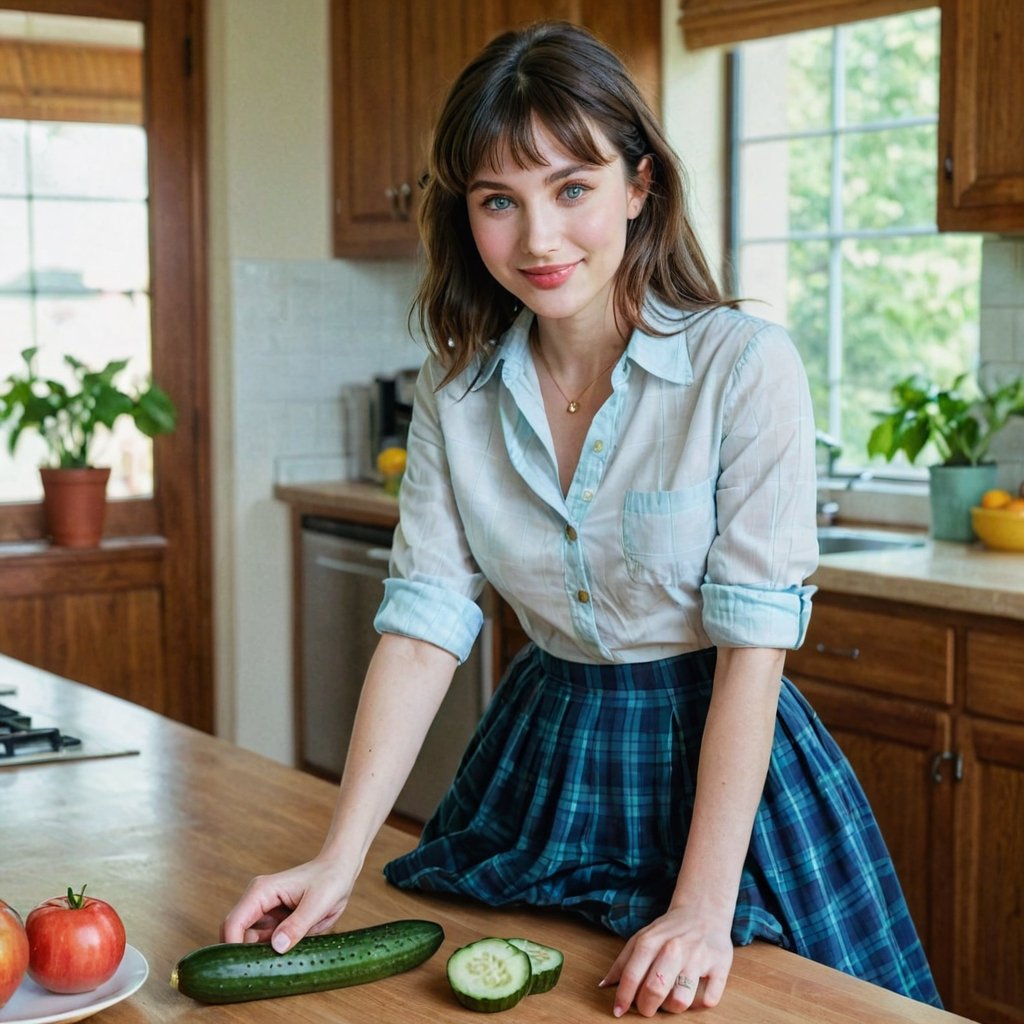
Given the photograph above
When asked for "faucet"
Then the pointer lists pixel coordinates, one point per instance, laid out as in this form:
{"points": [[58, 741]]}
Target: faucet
{"points": [[832, 448]]}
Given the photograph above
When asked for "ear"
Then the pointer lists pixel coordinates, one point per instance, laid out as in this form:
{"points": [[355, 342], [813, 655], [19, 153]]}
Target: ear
{"points": [[639, 187]]}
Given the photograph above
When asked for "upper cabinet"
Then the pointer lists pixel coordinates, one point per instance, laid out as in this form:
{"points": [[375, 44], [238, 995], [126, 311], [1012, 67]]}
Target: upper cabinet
{"points": [[392, 62], [981, 116]]}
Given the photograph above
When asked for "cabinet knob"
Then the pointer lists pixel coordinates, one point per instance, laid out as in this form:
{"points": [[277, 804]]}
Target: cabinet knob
{"points": [[404, 200], [392, 195]]}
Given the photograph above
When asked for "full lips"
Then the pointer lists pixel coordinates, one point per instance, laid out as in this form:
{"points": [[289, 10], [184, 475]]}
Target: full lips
{"points": [[549, 277]]}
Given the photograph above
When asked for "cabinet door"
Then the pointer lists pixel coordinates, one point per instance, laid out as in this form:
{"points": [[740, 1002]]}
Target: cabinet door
{"points": [[370, 55], [892, 746], [981, 116], [989, 876]]}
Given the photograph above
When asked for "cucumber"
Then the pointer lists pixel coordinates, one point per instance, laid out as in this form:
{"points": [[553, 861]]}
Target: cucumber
{"points": [[489, 975], [236, 972], [545, 964]]}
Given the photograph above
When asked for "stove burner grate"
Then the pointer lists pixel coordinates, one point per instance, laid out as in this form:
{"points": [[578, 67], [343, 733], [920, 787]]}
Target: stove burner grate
{"points": [[18, 737]]}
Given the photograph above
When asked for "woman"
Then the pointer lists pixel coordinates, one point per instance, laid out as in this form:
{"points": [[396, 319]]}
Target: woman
{"points": [[630, 463]]}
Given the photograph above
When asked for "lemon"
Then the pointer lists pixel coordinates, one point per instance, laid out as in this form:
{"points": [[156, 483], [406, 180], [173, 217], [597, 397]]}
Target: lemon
{"points": [[996, 499], [391, 462]]}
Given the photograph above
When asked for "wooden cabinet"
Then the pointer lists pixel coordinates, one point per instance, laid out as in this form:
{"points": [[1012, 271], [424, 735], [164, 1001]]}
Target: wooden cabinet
{"points": [[981, 116], [929, 708], [392, 62], [95, 615]]}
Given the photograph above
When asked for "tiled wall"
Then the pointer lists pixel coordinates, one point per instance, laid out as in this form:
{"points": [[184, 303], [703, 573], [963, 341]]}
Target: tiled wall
{"points": [[1002, 340]]}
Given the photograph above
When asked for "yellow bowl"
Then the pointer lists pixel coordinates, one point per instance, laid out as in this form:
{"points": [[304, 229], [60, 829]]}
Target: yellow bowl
{"points": [[999, 529]]}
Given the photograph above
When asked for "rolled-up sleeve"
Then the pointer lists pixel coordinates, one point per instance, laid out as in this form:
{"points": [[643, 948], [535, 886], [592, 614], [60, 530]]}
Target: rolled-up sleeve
{"points": [[434, 581], [766, 539]]}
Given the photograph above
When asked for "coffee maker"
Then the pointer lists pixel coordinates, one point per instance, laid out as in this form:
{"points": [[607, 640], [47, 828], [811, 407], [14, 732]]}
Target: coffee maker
{"points": [[377, 416]]}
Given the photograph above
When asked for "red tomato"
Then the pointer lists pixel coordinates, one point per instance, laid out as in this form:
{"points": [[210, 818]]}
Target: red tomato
{"points": [[75, 943], [13, 951]]}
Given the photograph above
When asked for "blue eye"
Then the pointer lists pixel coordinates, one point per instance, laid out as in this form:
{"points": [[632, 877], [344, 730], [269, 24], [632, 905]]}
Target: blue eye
{"points": [[497, 203], [574, 192]]}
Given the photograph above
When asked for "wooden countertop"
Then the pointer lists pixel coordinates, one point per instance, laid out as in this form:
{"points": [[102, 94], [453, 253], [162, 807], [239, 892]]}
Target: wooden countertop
{"points": [[171, 836], [345, 499]]}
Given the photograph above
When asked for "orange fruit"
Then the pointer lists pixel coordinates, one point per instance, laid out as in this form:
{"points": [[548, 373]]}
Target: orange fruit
{"points": [[996, 499], [1016, 507]]}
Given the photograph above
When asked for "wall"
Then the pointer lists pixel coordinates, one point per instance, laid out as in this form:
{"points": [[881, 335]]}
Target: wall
{"points": [[1002, 340]]}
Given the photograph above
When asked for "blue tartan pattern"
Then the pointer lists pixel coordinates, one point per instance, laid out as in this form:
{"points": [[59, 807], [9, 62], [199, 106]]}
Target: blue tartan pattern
{"points": [[577, 789]]}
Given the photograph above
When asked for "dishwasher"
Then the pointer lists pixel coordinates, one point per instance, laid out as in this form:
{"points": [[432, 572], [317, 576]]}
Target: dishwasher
{"points": [[344, 566]]}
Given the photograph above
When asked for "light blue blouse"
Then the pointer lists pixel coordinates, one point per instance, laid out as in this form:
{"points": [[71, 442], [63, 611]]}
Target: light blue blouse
{"points": [[690, 520]]}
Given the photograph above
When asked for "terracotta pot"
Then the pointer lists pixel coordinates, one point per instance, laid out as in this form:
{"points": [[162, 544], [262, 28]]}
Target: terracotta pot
{"points": [[76, 505]]}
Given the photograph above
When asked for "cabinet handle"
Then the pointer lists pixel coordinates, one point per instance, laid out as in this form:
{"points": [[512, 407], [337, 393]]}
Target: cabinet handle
{"points": [[853, 653], [404, 197], [948, 755], [392, 195], [947, 167]]}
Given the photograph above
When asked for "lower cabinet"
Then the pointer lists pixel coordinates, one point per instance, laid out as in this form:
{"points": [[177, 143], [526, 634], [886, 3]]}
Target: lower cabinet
{"points": [[929, 708]]}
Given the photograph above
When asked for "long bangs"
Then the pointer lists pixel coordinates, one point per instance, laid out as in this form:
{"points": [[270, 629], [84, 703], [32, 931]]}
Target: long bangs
{"points": [[505, 125]]}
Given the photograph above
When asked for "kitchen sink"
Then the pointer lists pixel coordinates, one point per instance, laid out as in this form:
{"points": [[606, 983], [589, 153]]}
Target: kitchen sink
{"points": [[835, 539]]}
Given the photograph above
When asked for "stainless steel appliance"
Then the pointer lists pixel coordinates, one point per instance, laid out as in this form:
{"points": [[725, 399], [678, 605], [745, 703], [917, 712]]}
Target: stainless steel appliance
{"points": [[344, 566]]}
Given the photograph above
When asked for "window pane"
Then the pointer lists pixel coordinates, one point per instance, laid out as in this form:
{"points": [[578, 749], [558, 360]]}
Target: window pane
{"points": [[88, 160], [889, 179], [785, 187], [774, 71], [12, 158], [909, 304], [892, 68], [14, 245], [16, 331], [90, 245]]}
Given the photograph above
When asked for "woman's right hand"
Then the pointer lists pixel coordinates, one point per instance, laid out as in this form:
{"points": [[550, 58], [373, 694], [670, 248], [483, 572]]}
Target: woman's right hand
{"points": [[284, 907]]}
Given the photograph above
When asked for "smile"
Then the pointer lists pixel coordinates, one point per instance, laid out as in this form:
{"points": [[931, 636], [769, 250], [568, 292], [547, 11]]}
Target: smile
{"points": [[549, 277]]}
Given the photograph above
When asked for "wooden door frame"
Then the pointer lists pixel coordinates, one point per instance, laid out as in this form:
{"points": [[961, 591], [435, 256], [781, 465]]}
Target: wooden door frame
{"points": [[179, 516]]}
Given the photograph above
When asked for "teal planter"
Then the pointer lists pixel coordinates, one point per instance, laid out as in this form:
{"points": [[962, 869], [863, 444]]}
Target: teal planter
{"points": [[953, 491]]}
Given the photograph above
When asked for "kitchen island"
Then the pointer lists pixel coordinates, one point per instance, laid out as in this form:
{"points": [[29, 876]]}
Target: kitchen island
{"points": [[170, 837]]}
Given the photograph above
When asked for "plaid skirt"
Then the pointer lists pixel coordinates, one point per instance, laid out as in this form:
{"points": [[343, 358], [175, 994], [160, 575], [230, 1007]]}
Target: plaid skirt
{"points": [[577, 791]]}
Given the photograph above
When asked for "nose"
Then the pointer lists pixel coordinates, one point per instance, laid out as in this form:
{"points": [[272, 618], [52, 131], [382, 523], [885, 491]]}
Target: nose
{"points": [[541, 233]]}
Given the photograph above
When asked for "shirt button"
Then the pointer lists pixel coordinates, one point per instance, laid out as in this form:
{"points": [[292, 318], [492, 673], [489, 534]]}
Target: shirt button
{"points": [[587, 495], [570, 531], [599, 446], [582, 596]]}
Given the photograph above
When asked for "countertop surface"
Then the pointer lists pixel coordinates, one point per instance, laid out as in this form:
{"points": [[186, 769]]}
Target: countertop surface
{"points": [[940, 574], [171, 836]]}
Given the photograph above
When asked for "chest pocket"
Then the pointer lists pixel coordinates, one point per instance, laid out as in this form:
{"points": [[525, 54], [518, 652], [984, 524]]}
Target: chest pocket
{"points": [[666, 534]]}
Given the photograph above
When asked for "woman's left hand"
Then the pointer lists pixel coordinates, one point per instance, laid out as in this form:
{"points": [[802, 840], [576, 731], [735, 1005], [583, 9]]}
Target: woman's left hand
{"points": [[661, 967]]}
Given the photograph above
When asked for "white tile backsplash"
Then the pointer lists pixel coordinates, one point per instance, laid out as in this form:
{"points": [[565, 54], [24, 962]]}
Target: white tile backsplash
{"points": [[302, 330], [1002, 340]]}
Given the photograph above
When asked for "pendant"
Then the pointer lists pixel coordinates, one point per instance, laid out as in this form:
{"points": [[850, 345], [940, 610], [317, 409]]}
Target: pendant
{"points": [[572, 407]]}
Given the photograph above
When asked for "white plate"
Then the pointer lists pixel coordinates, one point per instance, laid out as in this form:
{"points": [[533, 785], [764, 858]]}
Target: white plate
{"points": [[32, 1004]]}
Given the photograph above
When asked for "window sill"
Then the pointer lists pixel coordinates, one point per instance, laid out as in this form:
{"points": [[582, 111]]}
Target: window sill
{"points": [[885, 502]]}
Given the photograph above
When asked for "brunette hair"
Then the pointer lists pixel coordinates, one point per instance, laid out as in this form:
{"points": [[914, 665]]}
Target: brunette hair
{"points": [[571, 83]]}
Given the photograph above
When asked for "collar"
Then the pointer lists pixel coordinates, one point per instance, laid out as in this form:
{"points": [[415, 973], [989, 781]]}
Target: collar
{"points": [[665, 356]]}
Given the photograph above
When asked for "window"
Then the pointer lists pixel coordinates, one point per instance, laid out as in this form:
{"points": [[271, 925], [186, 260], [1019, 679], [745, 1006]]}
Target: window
{"points": [[74, 230], [833, 221]]}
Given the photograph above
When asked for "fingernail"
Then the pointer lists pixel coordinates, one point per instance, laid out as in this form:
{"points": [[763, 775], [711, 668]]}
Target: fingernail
{"points": [[602, 983], [618, 1011], [280, 942]]}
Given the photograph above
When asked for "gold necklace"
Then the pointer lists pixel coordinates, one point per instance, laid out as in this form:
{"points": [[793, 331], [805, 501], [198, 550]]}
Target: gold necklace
{"points": [[573, 403]]}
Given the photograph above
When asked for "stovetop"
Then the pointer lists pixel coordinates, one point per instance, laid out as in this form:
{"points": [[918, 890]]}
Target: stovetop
{"points": [[24, 739]]}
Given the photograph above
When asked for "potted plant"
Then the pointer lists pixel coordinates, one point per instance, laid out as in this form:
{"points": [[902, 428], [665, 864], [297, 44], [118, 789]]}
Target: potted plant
{"points": [[959, 423], [67, 419]]}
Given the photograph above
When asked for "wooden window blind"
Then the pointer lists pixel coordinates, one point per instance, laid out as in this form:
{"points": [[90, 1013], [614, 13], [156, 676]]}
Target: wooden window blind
{"points": [[43, 81], [724, 22]]}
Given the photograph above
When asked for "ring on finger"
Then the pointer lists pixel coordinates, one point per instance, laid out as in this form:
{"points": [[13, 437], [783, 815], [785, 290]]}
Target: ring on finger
{"points": [[685, 982]]}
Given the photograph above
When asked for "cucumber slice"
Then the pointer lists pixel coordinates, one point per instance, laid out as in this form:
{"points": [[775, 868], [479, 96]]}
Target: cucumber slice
{"points": [[545, 963], [489, 975]]}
